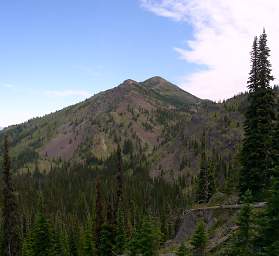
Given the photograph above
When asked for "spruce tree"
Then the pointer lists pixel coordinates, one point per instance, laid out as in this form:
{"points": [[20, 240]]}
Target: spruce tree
{"points": [[206, 180], [183, 250], [275, 144], [145, 239], [56, 248], [119, 179], [243, 242], [87, 241], [134, 242], [73, 247], [269, 231], [64, 241], [256, 155], [120, 236], [199, 240], [27, 245], [99, 215], [211, 179], [41, 236], [118, 228], [11, 241], [106, 240], [151, 237], [265, 76]]}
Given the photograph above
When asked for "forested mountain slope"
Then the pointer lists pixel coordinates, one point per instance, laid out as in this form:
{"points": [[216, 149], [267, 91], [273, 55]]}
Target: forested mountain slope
{"points": [[70, 161], [154, 116]]}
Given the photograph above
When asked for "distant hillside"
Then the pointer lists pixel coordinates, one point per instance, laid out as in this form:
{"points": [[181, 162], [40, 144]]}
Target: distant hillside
{"points": [[154, 116]]}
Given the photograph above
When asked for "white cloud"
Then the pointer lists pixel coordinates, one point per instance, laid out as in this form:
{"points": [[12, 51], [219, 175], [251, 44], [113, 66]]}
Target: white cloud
{"points": [[68, 93], [223, 35]]}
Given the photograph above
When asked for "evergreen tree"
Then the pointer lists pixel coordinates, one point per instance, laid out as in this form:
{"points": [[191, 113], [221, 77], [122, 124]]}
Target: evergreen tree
{"points": [[27, 246], [99, 215], [243, 243], [134, 242], [119, 180], [56, 248], [73, 248], [265, 76], [253, 80], [256, 155], [65, 243], [275, 144], [120, 236], [11, 241], [87, 242], [151, 237], [146, 239], [164, 228], [183, 250], [211, 179], [199, 240], [41, 237], [106, 240], [269, 231], [206, 180]]}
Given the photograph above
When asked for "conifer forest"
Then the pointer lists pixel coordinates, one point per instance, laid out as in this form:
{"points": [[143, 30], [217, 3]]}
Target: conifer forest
{"points": [[147, 169]]}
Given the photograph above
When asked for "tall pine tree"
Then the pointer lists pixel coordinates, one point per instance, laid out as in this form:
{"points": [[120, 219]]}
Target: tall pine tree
{"points": [[99, 215], [119, 180], [120, 238], [11, 241], [199, 240], [183, 250], [275, 143], [243, 242], [206, 183], [87, 241], [269, 231], [106, 240], [256, 155], [41, 236]]}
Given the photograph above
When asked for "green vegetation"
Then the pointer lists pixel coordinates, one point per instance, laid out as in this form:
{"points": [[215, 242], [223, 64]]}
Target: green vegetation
{"points": [[183, 250], [199, 240], [112, 175], [256, 153], [206, 179], [10, 214]]}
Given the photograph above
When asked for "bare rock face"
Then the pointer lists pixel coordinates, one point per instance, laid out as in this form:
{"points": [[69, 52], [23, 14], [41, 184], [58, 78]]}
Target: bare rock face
{"points": [[188, 225], [220, 219]]}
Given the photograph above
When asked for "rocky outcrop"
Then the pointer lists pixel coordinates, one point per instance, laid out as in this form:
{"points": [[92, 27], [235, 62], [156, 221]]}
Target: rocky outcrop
{"points": [[220, 219]]}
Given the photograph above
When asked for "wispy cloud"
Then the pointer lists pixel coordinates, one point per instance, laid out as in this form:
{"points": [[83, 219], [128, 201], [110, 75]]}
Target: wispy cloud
{"points": [[8, 86], [223, 34], [68, 93]]}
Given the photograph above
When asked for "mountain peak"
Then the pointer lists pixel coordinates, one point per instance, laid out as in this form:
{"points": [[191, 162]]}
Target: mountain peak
{"points": [[129, 82], [156, 80]]}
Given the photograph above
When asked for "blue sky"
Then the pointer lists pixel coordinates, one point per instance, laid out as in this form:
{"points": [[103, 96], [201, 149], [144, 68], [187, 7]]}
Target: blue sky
{"points": [[58, 52]]}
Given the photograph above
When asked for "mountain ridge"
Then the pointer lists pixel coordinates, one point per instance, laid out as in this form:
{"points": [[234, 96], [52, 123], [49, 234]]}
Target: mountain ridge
{"points": [[154, 116]]}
